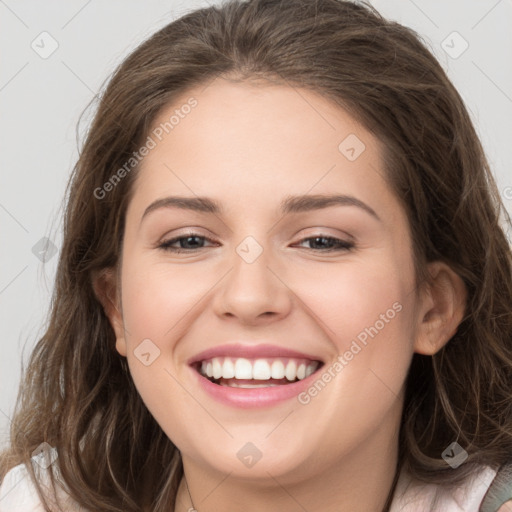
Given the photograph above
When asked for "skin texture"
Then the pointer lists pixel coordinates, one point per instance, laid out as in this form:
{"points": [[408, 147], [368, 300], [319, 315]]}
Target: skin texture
{"points": [[248, 147]]}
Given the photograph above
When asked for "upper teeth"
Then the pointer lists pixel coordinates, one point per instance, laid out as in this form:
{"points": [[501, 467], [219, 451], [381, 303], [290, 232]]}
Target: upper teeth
{"points": [[259, 369]]}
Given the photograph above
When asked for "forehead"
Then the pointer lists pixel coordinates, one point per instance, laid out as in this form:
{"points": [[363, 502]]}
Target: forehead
{"points": [[257, 143], [243, 117]]}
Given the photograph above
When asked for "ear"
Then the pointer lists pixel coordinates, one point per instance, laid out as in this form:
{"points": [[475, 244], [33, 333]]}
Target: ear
{"points": [[441, 310], [106, 289]]}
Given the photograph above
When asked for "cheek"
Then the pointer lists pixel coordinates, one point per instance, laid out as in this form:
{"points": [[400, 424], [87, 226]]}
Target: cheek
{"points": [[157, 299], [349, 297], [155, 309], [365, 309]]}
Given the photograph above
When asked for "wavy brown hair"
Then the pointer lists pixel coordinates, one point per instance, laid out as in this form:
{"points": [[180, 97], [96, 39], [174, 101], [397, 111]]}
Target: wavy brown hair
{"points": [[77, 393]]}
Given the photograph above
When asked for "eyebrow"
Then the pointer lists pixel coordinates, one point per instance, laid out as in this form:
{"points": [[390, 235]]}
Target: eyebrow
{"points": [[291, 204]]}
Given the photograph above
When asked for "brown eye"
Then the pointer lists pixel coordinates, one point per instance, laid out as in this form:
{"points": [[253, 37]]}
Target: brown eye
{"points": [[187, 243], [328, 243]]}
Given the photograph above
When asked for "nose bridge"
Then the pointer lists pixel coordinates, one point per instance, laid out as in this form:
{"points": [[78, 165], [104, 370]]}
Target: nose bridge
{"points": [[251, 288]]}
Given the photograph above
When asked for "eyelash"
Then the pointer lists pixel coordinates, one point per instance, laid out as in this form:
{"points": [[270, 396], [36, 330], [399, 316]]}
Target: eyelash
{"points": [[342, 245]]}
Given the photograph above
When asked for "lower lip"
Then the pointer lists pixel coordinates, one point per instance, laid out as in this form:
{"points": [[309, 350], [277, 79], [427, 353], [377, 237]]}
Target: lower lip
{"points": [[247, 398]]}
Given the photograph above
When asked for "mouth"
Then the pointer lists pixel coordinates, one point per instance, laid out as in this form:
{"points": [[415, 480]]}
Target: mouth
{"points": [[241, 372]]}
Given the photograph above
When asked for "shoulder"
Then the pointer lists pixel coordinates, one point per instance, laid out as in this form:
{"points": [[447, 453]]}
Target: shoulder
{"points": [[485, 490], [18, 492]]}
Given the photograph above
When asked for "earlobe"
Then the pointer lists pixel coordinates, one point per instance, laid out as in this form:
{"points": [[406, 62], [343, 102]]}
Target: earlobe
{"points": [[441, 310], [105, 288]]}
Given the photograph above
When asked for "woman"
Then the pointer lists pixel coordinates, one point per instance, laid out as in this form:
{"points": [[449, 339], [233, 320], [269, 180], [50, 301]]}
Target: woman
{"points": [[341, 337]]}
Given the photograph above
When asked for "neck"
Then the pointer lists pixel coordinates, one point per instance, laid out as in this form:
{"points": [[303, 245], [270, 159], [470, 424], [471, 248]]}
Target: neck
{"points": [[361, 480]]}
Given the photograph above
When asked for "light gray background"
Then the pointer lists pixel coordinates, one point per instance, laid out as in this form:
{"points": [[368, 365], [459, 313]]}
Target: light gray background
{"points": [[41, 101]]}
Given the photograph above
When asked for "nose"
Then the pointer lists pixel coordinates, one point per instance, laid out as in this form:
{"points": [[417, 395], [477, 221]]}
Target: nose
{"points": [[254, 292]]}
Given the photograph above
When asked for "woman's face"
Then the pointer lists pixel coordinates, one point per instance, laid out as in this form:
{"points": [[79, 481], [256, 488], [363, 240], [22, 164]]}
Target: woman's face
{"points": [[262, 271]]}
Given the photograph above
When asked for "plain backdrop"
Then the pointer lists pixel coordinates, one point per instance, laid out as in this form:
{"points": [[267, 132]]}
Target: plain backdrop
{"points": [[42, 97]]}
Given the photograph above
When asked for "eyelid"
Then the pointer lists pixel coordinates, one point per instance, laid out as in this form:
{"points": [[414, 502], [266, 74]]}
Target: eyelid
{"points": [[320, 231], [188, 231], [301, 234]]}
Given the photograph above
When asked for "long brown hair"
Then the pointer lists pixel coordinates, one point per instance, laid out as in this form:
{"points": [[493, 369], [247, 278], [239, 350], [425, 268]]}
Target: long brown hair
{"points": [[77, 393]]}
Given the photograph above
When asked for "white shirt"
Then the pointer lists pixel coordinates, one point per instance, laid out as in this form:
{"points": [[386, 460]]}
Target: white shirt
{"points": [[18, 493], [414, 496]]}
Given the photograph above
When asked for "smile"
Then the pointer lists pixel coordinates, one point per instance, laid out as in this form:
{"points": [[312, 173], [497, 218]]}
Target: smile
{"points": [[250, 373], [249, 383]]}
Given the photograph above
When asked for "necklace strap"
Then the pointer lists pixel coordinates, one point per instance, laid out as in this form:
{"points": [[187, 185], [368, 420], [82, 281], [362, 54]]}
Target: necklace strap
{"points": [[189, 495]]}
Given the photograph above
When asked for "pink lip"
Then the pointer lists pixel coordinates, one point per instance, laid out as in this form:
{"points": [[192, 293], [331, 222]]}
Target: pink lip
{"points": [[252, 397], [250, 352], [247, 398]]}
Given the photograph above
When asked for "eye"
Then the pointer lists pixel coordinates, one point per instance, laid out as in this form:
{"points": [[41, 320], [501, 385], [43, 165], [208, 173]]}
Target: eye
{"points": [[187, 243], [329, 243], [193, 241]]}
